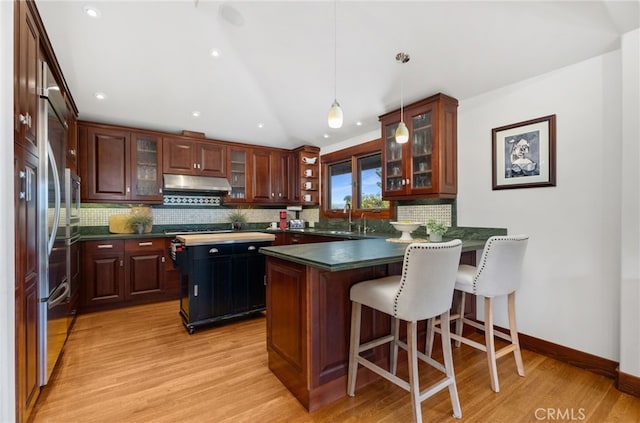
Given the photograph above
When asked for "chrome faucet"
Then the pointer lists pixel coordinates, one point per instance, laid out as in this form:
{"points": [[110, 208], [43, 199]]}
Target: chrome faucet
{"points": [[364, 223], [347, 209]]}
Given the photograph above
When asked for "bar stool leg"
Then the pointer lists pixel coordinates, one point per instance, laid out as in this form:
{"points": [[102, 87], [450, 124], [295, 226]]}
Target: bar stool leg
{"points": [[448, 365], [490, 343], [514, 332], [414, 376], [431, 333], [460, 319], [356, 310], [393, 347]]}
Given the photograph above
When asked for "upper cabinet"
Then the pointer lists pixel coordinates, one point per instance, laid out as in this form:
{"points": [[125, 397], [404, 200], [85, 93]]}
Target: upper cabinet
{"points": [[239, 175], [186, 156], [118, 165], [425, 166], [273, 176], [26, 78]]}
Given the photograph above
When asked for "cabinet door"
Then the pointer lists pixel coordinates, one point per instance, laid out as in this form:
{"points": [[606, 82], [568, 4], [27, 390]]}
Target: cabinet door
{"points": [[262, 191], [144, 274], [26, 64], [72, 143], [248, 277], [26, 276], [144, 268], [238, 175], [103, 272], [421, 145], [211, 159], [178, 156], [146, 172], [284, 176], [212, 295], [106, 170], [394, 178]]}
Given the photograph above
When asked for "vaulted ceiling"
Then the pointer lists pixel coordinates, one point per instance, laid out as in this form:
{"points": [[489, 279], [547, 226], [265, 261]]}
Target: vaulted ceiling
{"points": [[275, 68]]}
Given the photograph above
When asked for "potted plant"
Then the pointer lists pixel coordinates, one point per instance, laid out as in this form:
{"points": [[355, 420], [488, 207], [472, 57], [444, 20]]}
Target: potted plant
{"points": [[435, 230], [139, 223], [237, 218]]}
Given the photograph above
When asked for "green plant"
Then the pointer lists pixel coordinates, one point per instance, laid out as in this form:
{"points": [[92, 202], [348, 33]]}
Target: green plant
{"points": [[237, 216], [139, 220], [436, 227]]}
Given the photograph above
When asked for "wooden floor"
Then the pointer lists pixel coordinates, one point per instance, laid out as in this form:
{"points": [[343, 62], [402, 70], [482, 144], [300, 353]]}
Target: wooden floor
{"points": [[139, 365]]}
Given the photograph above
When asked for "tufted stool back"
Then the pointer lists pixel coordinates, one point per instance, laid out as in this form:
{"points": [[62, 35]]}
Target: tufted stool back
{"points": [[500, 269]]}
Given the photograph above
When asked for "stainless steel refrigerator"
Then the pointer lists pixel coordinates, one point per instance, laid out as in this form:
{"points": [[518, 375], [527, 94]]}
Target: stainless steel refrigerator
{"points": [[59, 230]]}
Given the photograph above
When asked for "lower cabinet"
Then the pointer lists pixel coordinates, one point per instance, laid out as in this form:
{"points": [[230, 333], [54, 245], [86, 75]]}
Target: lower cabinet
{"points": [[126, 272], [219, 282]]}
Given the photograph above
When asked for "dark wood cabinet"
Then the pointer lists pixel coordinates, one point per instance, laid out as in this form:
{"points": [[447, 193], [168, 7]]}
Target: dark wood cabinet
{"points": [[26, 77], [185, 156], [26, 276], [239, 175], [125, 272], [272, 181], [220, 282], [103, 273], [144, 268], [119, 165], [425, 166], [72, 144]]}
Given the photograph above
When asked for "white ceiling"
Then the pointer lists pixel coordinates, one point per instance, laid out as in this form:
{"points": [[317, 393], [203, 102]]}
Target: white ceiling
{"points": [[276, 66]]}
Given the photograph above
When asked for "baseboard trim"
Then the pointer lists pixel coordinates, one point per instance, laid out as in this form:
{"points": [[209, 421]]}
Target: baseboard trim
{"points": [[593, 363], [628, 384]]}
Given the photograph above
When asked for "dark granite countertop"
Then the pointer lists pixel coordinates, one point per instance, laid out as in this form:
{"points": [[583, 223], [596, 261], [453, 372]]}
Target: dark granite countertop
{"points": [[352, 254]]}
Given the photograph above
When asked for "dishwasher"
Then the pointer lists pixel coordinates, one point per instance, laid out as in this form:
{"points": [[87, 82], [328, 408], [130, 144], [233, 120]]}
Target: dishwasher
{"points": [[219, 280]]}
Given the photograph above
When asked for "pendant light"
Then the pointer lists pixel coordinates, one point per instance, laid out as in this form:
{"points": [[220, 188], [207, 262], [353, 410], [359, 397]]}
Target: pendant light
{"points": [[402, 133], [334, 118]]}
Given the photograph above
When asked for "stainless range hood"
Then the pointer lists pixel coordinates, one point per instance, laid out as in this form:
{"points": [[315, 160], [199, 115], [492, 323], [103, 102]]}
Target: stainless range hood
{"points": [[190, 183]]}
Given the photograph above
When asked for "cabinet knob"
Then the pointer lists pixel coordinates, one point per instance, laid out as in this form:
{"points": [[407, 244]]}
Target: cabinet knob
{"points": [[251, 248], [213, 251], [72, 152], [128, 190], [273, 195], [195, 166]]}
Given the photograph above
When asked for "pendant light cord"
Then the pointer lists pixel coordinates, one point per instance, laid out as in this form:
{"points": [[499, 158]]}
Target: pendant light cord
{"points": [[335, 49]]}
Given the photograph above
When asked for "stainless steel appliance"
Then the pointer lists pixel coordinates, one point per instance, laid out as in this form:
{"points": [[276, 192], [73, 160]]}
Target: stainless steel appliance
{"points": [[59, 227]]}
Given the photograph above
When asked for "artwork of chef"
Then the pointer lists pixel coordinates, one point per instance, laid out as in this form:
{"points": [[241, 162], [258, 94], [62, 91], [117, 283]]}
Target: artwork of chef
{"points": [[522, 154]]}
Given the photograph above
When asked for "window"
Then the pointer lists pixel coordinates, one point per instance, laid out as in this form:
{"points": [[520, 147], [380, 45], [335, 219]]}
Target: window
{"points": [[353, 176]]}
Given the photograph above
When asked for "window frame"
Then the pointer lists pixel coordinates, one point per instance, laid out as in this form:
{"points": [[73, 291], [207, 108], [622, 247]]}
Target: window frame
{"points": [[352, 154]]}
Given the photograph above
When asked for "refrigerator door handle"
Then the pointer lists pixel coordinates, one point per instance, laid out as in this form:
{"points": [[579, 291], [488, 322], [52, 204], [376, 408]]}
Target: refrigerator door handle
{"points": [[56, 186], [59, 294]]}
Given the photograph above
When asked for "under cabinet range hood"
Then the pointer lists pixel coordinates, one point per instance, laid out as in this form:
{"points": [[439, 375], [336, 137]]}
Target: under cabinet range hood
{"points": [[190, 183]]}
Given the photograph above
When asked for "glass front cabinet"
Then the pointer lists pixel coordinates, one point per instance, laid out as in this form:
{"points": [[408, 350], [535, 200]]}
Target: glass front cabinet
{"points": [[426, 165], [146, 173]]}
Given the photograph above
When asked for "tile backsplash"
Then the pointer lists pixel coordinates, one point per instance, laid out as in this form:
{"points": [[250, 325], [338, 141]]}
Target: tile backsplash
{"points": [[99, 216], [441, 213]]}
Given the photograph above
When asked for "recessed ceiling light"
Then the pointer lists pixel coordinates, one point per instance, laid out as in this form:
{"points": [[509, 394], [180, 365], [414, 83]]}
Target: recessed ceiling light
{"points": [[215, 52], [195, 113], [91, 11], [261, 125], [100, 96], [326, 135], [358, 123]]}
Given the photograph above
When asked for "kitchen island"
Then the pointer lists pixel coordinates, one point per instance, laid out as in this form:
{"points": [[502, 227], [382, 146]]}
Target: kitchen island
{"points": [[309, 311]]}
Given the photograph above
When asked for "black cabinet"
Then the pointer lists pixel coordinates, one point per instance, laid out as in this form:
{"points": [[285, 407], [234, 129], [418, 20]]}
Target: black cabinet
{"points": [[220, 281]]}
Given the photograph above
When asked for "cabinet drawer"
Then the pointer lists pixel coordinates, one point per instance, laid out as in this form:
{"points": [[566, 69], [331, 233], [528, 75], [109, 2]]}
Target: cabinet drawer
{"points": [[104, 246], [144, 244]]}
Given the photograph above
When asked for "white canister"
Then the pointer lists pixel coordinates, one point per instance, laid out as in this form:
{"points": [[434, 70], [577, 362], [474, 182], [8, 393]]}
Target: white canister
{"points": [[307, 197], [308, 172], [307, 185]]}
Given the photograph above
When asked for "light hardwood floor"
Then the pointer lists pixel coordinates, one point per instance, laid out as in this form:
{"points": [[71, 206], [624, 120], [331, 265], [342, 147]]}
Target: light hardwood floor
{"points": [[139, 365]]}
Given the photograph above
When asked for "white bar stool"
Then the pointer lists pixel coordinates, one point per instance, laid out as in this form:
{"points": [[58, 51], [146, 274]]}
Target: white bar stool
{"points": [[499, 274], [424, 290]]}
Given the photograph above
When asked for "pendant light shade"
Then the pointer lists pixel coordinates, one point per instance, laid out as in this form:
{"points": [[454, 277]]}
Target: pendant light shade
{"points": [[335, 115], [402, 133]]}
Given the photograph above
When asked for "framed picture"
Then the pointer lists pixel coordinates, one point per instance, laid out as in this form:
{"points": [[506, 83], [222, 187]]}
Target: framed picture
{"points": [[524, 154]]}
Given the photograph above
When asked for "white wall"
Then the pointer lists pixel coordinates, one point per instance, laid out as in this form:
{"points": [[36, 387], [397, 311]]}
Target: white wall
{"points": [[571, 290], [7, 263], [630, 259]]}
